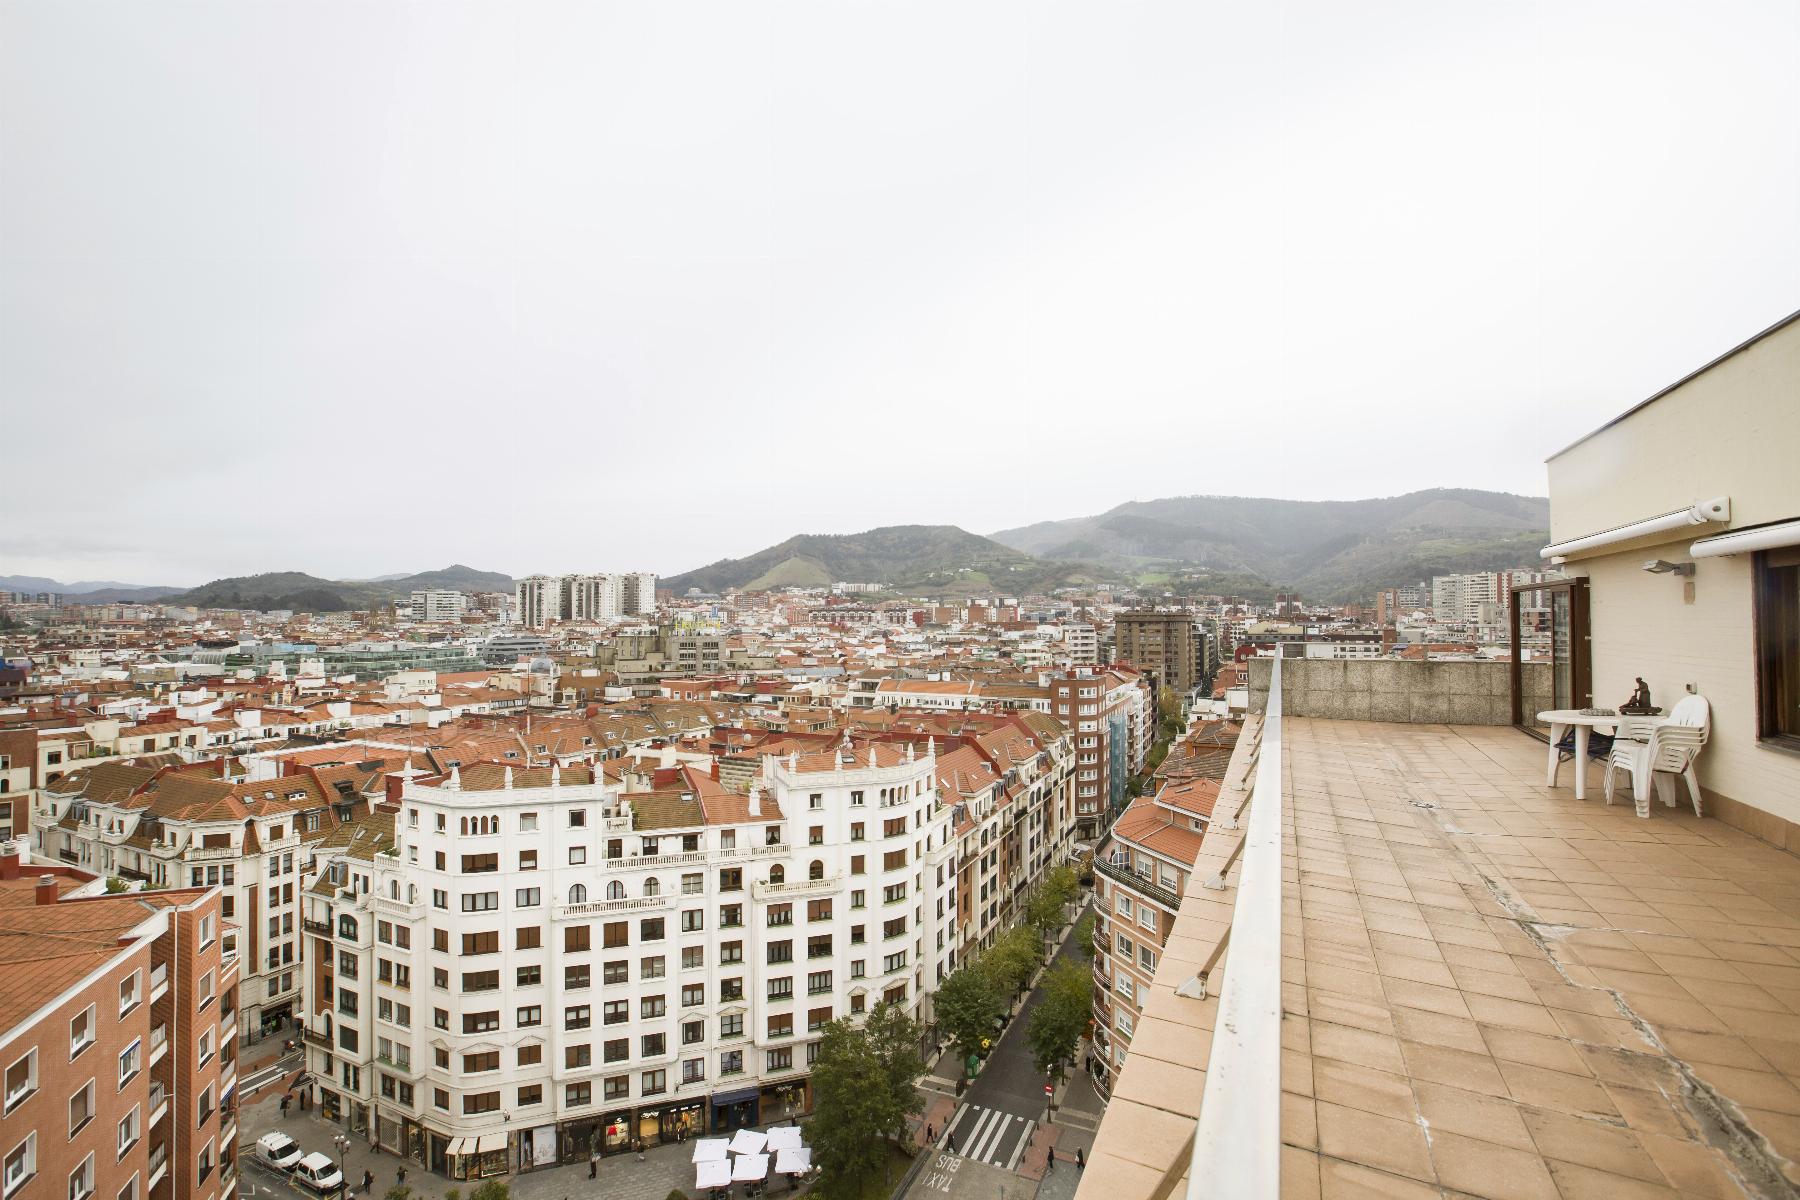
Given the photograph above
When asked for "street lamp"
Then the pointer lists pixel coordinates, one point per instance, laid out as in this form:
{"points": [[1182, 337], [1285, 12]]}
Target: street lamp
{"points": [[343, 1147]]}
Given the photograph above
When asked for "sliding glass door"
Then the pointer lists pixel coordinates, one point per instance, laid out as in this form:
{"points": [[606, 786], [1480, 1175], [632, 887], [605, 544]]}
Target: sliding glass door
{"points": [[1550, 644]]}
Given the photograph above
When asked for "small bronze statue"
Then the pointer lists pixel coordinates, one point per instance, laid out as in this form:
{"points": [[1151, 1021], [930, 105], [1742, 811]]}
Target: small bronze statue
{"points": [[1639, 705]]}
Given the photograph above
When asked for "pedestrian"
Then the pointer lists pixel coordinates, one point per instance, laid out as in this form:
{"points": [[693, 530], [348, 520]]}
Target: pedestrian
{"points": [[401, 1177], [928, 1136], [951, 1139], [284, 1103], [640, 1149], [368, 1182], [1080, 1159], [1050, 1162], [594, 1163]]}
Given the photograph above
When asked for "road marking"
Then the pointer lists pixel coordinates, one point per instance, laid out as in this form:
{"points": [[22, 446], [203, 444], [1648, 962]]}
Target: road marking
{"points": [[993, 1137]]}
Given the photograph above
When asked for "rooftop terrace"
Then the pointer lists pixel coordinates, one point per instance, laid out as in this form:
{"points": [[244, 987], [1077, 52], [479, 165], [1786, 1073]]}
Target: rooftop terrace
{"points": [[1487, 988]]}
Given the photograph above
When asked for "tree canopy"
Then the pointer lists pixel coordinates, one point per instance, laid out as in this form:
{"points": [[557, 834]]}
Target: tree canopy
{"points": [[863, 1091], [1061, 1016]]}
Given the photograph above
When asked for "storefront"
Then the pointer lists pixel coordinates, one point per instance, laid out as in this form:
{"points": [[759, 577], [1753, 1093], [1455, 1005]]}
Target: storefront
{"points": [[330, 1107], [735, 1110], [785, 1101], [537, 1147], [671, 1123], [477, 1157]]}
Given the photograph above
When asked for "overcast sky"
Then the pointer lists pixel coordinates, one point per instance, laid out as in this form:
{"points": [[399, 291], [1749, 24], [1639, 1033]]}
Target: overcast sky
{"points": [[356, 288]]}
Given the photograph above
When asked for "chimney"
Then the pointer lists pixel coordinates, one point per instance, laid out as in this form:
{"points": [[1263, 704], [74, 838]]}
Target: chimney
{"points": [[756, 800], [9, 861], [45, 892]]}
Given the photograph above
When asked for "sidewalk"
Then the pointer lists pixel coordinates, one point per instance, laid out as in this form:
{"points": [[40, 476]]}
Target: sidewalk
{"points": [[621, 1177]]}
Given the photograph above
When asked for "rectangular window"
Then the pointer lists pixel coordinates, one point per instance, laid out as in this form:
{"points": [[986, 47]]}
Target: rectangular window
{"points": [[1777, 610], [530, 1094], [528, 937], [616, 971], [616, 1012], [575, 938], [579, 1016], [615, 934], [616, 1050], [655, 1082], [532, 1055], [81, 1031]]}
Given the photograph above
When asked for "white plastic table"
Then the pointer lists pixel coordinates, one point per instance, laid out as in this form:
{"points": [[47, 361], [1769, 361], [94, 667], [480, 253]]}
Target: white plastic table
{"points": [[1562, 719]]}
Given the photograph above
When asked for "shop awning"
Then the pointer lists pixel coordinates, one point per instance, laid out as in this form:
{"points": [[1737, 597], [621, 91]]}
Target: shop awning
{"points": [[748, 1141], [748, 1168], [711, 1149], [459, 1147], [720, 1099], [712, 1175], [784, 1137], [491, 1143], [793, 1162]]}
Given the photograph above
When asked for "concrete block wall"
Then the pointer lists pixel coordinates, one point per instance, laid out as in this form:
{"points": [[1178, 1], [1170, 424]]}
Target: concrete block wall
{"points": [[1399, 691]]}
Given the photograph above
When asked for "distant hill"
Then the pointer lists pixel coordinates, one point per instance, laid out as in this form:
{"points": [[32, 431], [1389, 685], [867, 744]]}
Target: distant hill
{"points": [[85, 591], [939, 559], [1329, 550], [309, 593]]}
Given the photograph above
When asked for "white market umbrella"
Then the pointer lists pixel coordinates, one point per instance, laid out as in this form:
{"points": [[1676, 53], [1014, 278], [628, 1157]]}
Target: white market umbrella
{"points": [[710, 1150], [748, 1141], [749, 1168], [784, 1137], [797, 1161], [711, 1174]]}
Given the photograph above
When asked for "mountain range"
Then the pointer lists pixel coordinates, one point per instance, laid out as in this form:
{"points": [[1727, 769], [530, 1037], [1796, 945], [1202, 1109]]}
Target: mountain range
{"points": [[1330, 550], [275, 589]]}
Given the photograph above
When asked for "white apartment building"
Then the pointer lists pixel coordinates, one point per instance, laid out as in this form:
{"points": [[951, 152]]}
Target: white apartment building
{"points": [[541, 599], [538, 600], [541, 964], [439, 605], [1082, 643]]}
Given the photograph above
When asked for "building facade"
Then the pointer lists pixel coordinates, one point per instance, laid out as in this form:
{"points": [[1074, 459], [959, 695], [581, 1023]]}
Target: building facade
{"points": [[1169, 645]]}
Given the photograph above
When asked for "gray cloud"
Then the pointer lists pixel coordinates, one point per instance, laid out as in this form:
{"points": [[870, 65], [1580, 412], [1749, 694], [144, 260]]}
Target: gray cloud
{"points": [[362, 287]]}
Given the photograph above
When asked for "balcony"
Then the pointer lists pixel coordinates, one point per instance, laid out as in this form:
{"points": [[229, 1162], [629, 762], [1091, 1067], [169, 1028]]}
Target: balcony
{"points": [[1140, 884], [210, 853], [322, 928], [158, 1165], [1413, 968], [159, 981], [159, 1044], [797, 888], [316, 1038], [397, 908], [159, 1104], [629, 904]]}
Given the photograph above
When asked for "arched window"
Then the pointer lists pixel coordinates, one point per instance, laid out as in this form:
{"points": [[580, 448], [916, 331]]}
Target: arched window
{"points": [[777, 874], [347, 926], [816, 871], [578, 894], [652, 887], [615, 890]]}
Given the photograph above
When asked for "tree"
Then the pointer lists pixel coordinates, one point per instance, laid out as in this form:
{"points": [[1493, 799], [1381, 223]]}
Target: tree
{"points": [[967, 1005], [1013, 958], [1084, 934], [115, 885], [399, 1191], [855, 1108], [491, 1189], [1061, 1016], [1043, 910], [896, 1038]]}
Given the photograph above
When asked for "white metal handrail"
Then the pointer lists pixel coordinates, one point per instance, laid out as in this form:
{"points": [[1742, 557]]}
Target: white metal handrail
{"points": [[1237, 1143]]}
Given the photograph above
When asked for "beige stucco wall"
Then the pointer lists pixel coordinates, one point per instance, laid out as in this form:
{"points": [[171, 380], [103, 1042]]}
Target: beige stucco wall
{"points": [[1732, 431], [1643, 626]]}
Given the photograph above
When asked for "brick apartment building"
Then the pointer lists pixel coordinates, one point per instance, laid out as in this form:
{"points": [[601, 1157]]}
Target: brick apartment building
{"points": [[118, 1042]]}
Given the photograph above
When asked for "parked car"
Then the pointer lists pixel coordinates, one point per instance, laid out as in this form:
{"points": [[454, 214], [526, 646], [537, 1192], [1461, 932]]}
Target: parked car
{"points": [[279, 1150], [318, 1173]]}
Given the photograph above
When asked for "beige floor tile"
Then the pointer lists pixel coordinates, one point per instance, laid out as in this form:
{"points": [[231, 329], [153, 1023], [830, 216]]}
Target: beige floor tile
{"points": [[1590, 1143], [1482, 1168], [1397, 1147], [1487, 1118]]}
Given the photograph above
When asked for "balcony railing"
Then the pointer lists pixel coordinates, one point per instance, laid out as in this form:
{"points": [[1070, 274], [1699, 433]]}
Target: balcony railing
{"points": [[1138, 883], [629, 904], [159, 981], [159, 1043], [798, 887], [1237, 1139]]}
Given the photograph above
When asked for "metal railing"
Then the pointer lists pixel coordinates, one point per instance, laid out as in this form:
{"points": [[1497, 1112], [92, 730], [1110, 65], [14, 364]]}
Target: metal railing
{"points": [[1237, 1140]]}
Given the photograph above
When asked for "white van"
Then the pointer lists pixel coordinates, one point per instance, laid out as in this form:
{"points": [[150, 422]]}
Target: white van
{"points": [[318, 1173], [278, 1150]]}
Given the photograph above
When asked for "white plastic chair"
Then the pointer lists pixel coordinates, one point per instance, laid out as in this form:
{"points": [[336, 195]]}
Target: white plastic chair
{"points": [[1656, 753]]}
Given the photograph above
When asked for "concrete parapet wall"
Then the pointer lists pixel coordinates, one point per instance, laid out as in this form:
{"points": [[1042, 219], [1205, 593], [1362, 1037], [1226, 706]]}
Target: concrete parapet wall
{"points": [[1400, 691]]}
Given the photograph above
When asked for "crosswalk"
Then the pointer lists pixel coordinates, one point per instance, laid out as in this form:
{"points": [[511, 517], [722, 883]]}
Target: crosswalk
{"points": [[987, 1135]]}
